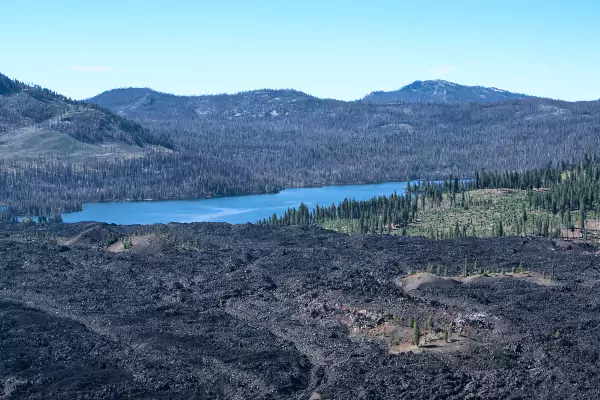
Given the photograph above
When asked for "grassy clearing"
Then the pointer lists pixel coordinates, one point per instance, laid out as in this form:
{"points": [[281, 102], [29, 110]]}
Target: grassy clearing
{"points": [[480, 213]]}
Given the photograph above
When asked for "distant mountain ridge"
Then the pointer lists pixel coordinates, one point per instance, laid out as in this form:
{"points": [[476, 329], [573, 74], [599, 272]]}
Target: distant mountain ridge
{"points": [[440, 91], [144, 103], [35, 121], [446, 137]]}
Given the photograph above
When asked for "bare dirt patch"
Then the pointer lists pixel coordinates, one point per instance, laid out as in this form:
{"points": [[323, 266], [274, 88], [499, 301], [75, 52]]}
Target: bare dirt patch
{"points": [[423, 281], [147, 244], [398, 338], [531, 277]]}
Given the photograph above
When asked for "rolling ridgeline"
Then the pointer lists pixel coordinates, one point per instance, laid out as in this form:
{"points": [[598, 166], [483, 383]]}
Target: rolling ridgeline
{"points": [[266, 140]]}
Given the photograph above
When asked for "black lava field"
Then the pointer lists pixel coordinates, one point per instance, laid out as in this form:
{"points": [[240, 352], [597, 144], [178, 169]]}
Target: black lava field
{"points": [[217, 311]]}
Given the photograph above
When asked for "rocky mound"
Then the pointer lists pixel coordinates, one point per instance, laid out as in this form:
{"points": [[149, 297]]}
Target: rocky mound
{"points": [[96, 235], [530, 277], [423, 281], [147, 244]]}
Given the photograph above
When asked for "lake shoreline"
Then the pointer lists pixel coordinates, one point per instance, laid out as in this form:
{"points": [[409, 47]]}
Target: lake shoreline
{"points": [[241, 195], [223, 196], [230, 209]]}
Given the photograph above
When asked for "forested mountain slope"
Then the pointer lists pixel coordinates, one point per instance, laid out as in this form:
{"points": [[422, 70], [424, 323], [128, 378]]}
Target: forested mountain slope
{"points": [[39, 122], [440, 91], [397, 140], [262, 141]]}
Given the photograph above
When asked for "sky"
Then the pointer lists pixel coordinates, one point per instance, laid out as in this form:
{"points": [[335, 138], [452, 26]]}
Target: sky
{"points": [[340, 49]]}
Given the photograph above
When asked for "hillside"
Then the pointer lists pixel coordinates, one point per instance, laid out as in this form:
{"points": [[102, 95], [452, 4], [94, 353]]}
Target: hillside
{"points": [[39, 122], [265, 140], [440, 91], [354, 139], [216, 311]]}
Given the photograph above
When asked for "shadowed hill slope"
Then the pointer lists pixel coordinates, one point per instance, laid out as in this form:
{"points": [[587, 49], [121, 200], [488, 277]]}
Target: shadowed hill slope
{"points": [[39, 122]]}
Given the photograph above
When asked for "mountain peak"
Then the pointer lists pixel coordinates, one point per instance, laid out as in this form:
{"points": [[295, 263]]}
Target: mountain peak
{"points": [[441, 91]]}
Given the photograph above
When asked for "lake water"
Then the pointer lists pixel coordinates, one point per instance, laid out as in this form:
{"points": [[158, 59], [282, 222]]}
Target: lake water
{"points": [[235, 210]]}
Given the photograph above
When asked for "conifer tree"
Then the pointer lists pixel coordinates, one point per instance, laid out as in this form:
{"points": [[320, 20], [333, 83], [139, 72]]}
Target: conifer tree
{"points": [[430, 323], [416, 335]]}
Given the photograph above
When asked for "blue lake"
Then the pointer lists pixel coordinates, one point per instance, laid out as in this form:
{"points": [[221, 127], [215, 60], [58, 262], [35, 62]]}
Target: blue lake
{"points": [[235, 210]]}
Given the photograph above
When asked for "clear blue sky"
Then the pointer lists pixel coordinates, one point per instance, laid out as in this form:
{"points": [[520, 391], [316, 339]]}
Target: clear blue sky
{"points": [[338, 48]]}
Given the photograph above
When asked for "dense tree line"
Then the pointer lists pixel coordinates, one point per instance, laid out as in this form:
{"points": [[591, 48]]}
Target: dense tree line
{"points": [[43, 186], [568, 195], [377, 215], [559, 187], [562, 189]]}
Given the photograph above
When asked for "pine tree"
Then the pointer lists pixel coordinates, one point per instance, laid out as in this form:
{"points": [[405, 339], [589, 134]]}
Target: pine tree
{"points": [[416, 333]]}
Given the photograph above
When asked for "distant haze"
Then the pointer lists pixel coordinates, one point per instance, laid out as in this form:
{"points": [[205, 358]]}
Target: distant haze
{"points": [[329, 49]]}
